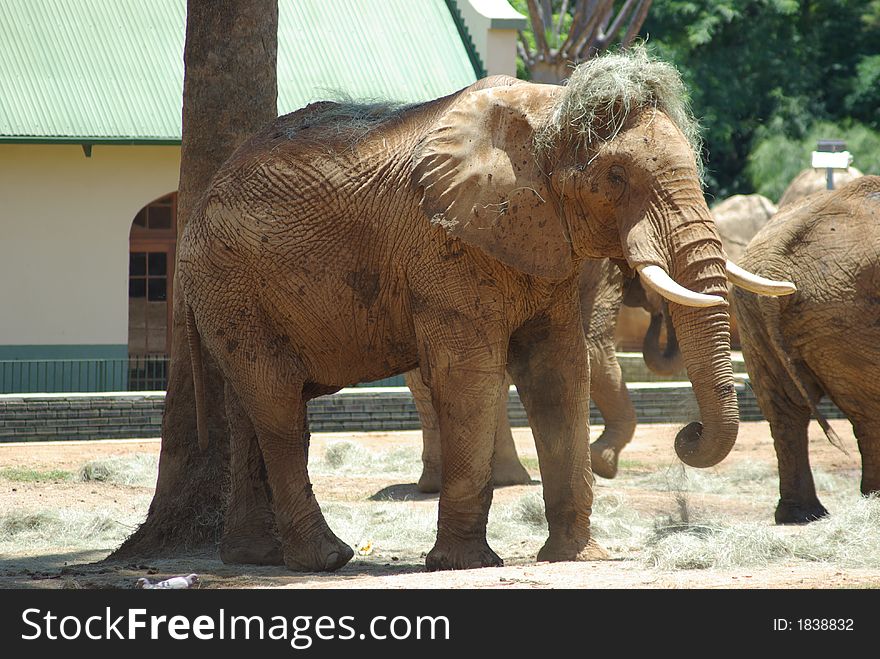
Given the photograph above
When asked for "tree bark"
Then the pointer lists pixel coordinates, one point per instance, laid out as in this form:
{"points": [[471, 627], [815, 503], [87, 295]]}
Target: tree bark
{"points": [[594, 28], [229, 92]]}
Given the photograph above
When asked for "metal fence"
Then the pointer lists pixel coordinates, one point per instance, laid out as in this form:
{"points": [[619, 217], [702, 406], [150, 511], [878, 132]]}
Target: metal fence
{"points": [[83, 375], [148, 373]]}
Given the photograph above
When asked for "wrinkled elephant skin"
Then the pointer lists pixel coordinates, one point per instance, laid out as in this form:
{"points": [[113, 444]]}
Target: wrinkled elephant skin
{"points": [[822, 341], [347, 243]]}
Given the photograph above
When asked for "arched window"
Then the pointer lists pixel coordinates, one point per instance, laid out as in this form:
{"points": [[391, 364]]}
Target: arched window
{"points": [[152, 243]]}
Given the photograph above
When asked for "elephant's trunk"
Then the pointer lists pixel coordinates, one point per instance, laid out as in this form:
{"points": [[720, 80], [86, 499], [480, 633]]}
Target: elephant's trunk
{"points": [[665, 361], [678, 234], [704, 338]]}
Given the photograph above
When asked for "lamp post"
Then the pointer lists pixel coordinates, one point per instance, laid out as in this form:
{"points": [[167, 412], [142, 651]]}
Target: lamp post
{"points": [[831, 154]]}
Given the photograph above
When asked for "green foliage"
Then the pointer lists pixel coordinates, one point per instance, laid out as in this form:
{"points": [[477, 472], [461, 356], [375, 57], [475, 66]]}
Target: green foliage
{"points": [[24, 475], [763, 70], [765, 77], [556, 5], [863, 102], [777, 158]]}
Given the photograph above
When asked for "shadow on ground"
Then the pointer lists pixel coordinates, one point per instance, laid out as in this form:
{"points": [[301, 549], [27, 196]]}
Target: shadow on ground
{"points": [[403, 492], [88, 569]]}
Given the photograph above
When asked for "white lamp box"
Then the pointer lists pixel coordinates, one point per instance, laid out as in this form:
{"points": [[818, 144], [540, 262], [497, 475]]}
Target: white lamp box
{"points": [[829, 160]]}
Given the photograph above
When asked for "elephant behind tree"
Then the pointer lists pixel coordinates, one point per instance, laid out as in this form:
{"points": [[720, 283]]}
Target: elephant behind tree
{"points": [[813, 180], [739, 218], [601, 287], [822, 341], [348, 243]]}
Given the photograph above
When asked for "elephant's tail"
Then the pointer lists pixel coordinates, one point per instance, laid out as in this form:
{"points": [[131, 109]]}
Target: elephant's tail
{"points": [[198, 372], [794, 370]]}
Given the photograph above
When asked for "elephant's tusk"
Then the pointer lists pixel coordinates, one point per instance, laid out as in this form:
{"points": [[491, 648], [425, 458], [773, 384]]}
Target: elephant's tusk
{"points": [[757, 284], [657, 278]]}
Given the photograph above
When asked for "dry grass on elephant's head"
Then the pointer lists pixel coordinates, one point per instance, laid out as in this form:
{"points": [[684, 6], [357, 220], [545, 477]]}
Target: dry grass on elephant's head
{"points": [[602, 92]]}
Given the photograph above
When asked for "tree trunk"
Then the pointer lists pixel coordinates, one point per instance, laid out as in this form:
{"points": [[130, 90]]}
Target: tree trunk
{"points": [[595, 26], [553, 72], [229, 92]]}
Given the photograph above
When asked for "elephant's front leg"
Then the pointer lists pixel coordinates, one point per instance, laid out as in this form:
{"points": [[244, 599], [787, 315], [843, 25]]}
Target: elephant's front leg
{"points": [[466, 386], [551, 370]]}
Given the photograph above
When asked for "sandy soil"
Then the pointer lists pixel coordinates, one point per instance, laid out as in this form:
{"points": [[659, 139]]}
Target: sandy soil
{"points": [[650, 454]]}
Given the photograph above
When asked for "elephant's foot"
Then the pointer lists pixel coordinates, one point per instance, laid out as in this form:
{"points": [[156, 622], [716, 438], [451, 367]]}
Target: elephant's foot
{"points": [[567, 550], [323, 552], [792, 512], [603, 456], [510, 472], [251, 539], [429, 481], [251, 550], [461, 555]]}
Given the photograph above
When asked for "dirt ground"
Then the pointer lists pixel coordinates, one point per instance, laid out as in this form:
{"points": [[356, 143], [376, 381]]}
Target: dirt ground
{"points": [[643, 488]]}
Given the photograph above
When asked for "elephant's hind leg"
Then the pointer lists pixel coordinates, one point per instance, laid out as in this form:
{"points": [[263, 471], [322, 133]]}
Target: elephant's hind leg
{"points": [[275, 405], [608, 390], [429, 481], [798, 501], [249, 532], [506, 467], [867, 432]]}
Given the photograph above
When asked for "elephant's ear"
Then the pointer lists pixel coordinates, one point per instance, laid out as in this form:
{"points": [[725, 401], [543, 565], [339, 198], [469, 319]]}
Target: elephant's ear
{"points": [[482, 183]]}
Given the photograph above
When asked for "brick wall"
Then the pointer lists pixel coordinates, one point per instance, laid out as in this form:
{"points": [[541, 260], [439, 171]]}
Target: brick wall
{"points": [[44, 417]]}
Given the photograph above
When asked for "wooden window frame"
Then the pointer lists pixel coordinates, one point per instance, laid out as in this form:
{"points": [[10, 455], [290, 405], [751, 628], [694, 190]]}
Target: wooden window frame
{"points": [[160, 240]]}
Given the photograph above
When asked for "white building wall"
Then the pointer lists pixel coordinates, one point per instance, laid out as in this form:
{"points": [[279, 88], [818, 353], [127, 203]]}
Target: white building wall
{"points": [[493, 25], [64, 227]]}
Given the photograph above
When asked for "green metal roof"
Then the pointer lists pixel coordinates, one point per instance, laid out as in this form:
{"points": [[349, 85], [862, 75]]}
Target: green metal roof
{"points": [[112, 70]]}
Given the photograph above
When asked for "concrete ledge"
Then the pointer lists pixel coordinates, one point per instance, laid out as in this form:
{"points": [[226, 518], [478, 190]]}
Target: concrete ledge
{"points": [[64, 417], [634, 369]]}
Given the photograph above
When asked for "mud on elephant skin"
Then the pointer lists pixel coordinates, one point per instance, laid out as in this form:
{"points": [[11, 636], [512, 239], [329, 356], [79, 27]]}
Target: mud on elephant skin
{"points": [[822, 341], [603, 289], [347, 243]]}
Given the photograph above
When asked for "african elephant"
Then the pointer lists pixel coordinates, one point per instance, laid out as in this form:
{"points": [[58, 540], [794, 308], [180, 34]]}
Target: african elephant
{"points": [[822, 341], [739, 218], [812, 180], [602, 291], [346, 243]]}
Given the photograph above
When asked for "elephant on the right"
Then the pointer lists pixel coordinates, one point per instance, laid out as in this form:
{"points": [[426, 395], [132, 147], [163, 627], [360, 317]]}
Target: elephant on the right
{"points": [[822, 341]]}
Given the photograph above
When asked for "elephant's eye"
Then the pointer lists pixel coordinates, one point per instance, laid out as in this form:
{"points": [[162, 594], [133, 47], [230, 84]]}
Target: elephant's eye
{"points": [[617, 175], [617, 183]]}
